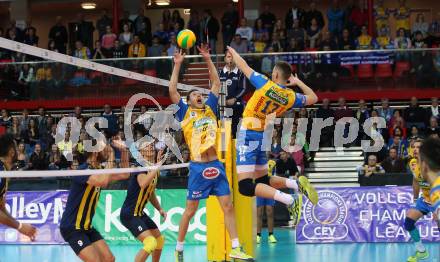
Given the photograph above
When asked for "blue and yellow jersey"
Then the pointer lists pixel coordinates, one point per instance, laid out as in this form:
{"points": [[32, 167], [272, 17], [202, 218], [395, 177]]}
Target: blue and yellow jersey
{"points": [[365, 42], [424, 185], [199, 125], [3, 182], [81, 203], [271, 167], [137, 197], [268, 98], [435, 194], [402, 15]]}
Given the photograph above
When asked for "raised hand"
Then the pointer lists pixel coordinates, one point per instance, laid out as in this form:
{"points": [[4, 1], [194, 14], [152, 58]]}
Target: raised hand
{"points": [[294, 80], [179, 55], [204, 51]]}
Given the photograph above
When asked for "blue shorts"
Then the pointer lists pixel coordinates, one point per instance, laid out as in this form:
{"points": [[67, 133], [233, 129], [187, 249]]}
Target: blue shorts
{"points": [[422, 206], [207, 179], [250, 154], [261, 202]]}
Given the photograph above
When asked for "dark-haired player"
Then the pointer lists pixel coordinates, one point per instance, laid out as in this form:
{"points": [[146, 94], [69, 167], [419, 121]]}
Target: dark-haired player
{"points": [[421, 207], [140, 191], [7, 158], [206, 173], [76, 223], [271, 98]]}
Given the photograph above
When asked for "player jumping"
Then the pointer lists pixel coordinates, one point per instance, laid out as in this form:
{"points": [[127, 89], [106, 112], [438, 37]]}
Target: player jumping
{"points": [[206, 173], [270, 97], [422, 206]]}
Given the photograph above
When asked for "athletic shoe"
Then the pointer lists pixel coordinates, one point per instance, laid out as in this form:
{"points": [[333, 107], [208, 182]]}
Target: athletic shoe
{"points": [[178, 256], [272, 239], [258, 239], [307, 189], [238, 253], [295, 209], [418, 256]]}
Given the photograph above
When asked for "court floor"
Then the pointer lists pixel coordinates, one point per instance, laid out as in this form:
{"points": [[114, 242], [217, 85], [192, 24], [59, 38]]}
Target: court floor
{"points": [[284, 250]]}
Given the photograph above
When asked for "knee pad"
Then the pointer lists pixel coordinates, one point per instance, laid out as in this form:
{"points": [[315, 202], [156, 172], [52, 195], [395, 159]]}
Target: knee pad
{"points": [[246, 187], [409, 224], [150, 244], [160, 242], [263, 180]]}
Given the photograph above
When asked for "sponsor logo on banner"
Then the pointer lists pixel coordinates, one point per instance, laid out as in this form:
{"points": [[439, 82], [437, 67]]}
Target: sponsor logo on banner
{"points": [[326, 220], [211, 173]]}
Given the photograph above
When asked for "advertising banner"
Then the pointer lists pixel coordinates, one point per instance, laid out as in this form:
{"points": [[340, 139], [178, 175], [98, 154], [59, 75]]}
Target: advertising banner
{"points": [[44, 210], [361, 214], [341, 59]]}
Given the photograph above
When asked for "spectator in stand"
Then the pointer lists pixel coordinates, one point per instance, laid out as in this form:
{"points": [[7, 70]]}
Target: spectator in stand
{"points": [[402, 16], [313, 13], [126, 37], [396, 121], [162, 34], [275, 146], [30, 37], [81, 30], [98, 52], [195, 26], [12, 35], [381, 16], [276, 44], [103, 22], [108, 41], [393, 163], [268, 62], [418, 41], [371, 168], [433, 38], [279, 27], [297, 33], [33, 135], [313, 34], [112, 121], [292, 46], [38, 159], [324, 112], [433, 128], [365, 41], [239, 45], [420, 25], [294, 13], [176, 18], [385, 111], [244, 30], [229, 24], [402, 41], [414, 114], [433, 109], [343, 110], [118, 51], [260, 36], [66, 145], [335, 16], [14, 30], [24, 120], [173, 46], [362, 114], [22, 162], [346, 42], [398, 131], [358, 17], [26, 76], [399, 144], [328, 42], [81, 51], [286, 166], [136, 49], [52, 47], [166, 19], [15, 129], [6, 119], [125, 20], [268, 18], [58, 33], [384, 40], [423, 66], [142, 26], [211, 28], [156, 49], [57, 161], [414, 134]]}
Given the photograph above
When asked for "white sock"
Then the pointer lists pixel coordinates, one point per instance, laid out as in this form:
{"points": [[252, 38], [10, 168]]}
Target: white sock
{"points": [[293, 184], [283, 198], [235, 243], [179, 246], [420, 247]]}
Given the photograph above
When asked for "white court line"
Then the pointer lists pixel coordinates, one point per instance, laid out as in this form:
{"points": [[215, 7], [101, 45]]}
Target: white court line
{"points": [[58, 57], [86, 172]]}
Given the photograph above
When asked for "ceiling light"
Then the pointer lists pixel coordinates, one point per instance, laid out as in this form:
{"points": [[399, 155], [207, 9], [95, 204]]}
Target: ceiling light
{"points": [[235, 1], [162, 2], [88, 5]]}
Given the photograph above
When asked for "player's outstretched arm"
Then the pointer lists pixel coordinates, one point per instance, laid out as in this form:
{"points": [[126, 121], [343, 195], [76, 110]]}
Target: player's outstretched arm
{"points": [[416, 189], [240, 62], [178, 60], [155, 202], [311, 97], [7, 220], [213, 72]]}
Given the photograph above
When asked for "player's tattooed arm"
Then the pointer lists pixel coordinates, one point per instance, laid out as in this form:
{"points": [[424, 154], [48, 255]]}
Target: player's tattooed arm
{"points": [[178, 60], [213, 72]]}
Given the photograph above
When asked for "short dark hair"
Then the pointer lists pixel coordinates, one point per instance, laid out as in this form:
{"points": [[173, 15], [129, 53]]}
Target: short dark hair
{"points": [[284, 68], [189, 94], [6, 143], [430, 153]]}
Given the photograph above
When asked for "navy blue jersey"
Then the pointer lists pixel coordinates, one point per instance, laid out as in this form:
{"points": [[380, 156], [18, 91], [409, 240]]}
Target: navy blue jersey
{"points": [[137, 197], [81, 203], [3, 181]]}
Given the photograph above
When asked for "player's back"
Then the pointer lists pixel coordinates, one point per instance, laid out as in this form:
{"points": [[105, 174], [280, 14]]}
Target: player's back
{"points": [[137, 197], [267, 99]]}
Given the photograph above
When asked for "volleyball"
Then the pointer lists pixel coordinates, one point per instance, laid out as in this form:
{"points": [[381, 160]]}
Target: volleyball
{"points": [[186, 39]]}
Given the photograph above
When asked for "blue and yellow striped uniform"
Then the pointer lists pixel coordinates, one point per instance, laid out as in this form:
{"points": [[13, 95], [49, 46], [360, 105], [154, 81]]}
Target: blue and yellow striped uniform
{"points": [[423, 203], [435, 194], [268, 98], [81, 203], [3, 182]]}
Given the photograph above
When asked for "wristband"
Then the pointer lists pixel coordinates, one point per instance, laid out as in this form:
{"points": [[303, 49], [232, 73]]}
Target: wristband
{"points": [[20, 225]]}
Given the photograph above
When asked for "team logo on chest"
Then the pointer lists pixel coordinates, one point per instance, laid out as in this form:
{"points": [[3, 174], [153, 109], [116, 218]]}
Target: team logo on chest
{"points": [[192, 114], [211, 173]]}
